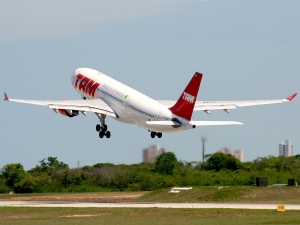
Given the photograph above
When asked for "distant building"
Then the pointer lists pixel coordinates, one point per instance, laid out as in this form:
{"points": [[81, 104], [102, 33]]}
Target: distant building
{"points": [[239, 154], [149, 154], [286, 148]]}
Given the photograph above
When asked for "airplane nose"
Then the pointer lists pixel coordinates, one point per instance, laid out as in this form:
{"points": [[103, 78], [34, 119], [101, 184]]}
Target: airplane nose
{"points": [[75, 72], [73, 77]]}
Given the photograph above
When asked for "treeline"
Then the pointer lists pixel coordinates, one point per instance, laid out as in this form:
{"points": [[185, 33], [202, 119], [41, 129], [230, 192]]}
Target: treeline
{"points": [[219, 169]]}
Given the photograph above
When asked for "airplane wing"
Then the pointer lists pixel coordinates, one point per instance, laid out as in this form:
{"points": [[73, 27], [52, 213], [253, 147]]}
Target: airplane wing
{"points": [[206, 106], [94, 105]]}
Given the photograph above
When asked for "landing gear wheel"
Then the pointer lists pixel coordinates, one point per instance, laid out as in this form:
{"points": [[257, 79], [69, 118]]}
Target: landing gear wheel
{"points": [[107, 134], [104, 128], [159, 135], [101, 134], [153, 134], [98, 127]]}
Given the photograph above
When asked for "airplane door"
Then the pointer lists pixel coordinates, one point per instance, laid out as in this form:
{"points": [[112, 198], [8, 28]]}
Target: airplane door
{"points": [[127, 103], [157, 115], [127, 99]]}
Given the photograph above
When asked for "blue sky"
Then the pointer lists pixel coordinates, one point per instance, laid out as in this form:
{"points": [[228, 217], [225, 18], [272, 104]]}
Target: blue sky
{"points": [[245, 49]]}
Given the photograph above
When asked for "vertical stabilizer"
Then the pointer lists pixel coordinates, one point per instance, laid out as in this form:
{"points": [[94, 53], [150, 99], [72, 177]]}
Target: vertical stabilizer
{"points": [[185, 105]]}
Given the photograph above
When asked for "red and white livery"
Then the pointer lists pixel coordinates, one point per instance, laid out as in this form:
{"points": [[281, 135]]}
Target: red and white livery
{"points": [[105, 96]]}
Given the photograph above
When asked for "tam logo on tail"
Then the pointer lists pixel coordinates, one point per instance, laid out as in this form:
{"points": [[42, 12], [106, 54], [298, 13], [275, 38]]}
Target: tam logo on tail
{"points": [[188, 97], [185, 105]]}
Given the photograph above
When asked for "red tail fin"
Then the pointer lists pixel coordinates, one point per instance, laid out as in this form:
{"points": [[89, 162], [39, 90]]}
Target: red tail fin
{"points": [[185, 105]]}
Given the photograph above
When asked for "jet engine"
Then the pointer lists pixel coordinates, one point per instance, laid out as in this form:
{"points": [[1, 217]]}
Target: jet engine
{"points": [[68, 113]]}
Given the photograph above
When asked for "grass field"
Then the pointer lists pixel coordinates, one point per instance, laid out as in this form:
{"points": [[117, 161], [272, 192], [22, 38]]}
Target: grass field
{"points": [[44, 216], [157, 216], [239, 194], [83, 197]]}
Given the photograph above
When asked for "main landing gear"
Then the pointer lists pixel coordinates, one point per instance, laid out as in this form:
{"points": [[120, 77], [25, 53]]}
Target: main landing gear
{"points": [[153, 134], [102, 129]]}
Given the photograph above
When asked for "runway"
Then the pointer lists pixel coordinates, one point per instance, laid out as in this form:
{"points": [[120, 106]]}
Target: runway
{"points": [[144, 205]]}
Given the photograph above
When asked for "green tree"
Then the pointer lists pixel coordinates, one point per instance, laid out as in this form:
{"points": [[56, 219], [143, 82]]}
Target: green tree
{"points": [[13, 173], [260, 163], [219, 161], [3, 187], [165, 163], [100, 165], [53, 163], [71, 177], [26, 185], [291, 163], [280, 163]]}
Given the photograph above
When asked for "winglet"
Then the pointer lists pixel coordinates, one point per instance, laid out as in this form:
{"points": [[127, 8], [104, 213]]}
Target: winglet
{"points": [[290, 98], [6, 97]]}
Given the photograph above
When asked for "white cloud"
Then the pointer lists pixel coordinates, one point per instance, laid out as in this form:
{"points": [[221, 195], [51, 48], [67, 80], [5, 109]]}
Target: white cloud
{"points": [[36, 19]]}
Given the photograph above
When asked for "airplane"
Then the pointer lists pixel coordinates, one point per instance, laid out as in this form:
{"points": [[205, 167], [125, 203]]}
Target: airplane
{"points": [[105, 96]]}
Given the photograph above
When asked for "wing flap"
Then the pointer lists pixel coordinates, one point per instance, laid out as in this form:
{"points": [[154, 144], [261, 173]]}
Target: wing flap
{"points": [[214, 107], [111, 114], [84, 109], [262, 102]]}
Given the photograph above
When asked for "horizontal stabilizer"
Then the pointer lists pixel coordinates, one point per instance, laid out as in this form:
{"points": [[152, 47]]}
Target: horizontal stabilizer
{"points": [[196, 123], [166, 123], [214, 123]]}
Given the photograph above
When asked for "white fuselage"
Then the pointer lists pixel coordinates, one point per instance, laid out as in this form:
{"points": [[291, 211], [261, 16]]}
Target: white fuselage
{"points": [[129, 105]]}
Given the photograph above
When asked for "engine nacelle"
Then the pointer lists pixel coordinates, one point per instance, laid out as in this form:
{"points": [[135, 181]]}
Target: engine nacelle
{"points": [[68, 113]]}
